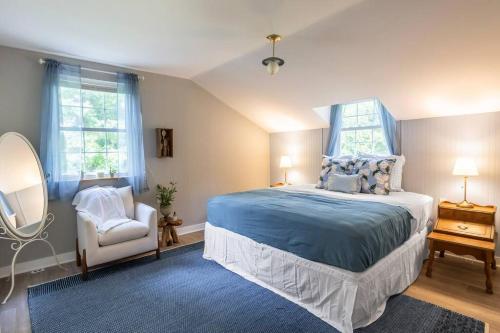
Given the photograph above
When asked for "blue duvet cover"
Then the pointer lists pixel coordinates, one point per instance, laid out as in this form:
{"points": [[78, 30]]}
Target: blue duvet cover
{"points": [[349, 234]]}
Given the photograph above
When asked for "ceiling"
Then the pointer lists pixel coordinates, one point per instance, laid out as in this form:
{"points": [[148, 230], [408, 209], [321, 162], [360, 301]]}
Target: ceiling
{"points": [[422, 58]]}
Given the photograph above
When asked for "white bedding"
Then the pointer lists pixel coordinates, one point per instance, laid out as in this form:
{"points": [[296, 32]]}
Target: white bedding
{"points": [[344, 299], [419, 205]]}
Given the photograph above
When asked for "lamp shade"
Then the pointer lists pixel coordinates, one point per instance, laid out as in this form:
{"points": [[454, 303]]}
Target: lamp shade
{"points": [[285, 162], [465, 167]]}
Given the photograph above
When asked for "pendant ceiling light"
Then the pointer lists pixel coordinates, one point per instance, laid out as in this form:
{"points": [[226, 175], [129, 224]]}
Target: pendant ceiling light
{"points": [[273, 63]]}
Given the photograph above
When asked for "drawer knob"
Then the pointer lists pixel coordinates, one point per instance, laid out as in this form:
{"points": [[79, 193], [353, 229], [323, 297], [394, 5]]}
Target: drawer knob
{"points": [[463, 227]]}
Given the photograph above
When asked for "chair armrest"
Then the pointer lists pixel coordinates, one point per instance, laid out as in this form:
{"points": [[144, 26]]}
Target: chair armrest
{"points": [[87, 232], [147, 214]]}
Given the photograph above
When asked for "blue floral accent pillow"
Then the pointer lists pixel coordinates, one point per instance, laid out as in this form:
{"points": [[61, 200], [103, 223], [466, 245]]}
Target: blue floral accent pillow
{"points": [[330, 165], [375, 174]]}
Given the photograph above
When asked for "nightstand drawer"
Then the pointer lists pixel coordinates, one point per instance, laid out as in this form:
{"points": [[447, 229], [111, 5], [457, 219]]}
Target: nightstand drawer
{"points": [[468, 229], [465, 215]]}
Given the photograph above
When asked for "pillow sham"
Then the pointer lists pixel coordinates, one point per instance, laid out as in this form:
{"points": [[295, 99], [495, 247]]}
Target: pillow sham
{"points": [[397, 171], [334, 165], [344, 183], [375, 174]]}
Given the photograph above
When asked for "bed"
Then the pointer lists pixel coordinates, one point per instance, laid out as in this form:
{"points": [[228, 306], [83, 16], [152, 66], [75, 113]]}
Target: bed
{"points": [[340, 256]]}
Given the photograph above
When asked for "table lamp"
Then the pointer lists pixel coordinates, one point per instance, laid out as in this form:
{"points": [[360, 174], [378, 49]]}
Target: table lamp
{"points": [[285, 163], [465, 167]]}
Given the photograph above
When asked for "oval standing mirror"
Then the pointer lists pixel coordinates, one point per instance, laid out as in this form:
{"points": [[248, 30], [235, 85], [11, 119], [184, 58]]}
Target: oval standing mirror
{"points": [[23, 192]]}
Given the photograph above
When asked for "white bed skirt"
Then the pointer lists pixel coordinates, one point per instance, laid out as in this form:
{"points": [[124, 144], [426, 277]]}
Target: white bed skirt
{"points": [[344, 299]]}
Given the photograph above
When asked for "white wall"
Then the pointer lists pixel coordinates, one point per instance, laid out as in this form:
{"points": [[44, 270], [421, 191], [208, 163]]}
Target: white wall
{"points": [[216, 149]]}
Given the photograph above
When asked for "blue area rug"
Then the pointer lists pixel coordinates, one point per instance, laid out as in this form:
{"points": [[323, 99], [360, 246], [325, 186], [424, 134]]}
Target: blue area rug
{"points": [[183, 293]]}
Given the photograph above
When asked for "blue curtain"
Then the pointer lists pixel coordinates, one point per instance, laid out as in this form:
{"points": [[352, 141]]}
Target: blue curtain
{"points": [[390, 129], [55, 75], [333, 147], [128, 92]]}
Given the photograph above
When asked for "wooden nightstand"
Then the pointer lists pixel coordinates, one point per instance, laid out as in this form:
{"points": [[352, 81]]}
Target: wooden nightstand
{"points": [[465, 231], [278, 184]]}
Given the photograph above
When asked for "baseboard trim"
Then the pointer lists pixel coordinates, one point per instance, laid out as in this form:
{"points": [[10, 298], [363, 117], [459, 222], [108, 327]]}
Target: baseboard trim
{"points": [[191, 228], [42, 263]]}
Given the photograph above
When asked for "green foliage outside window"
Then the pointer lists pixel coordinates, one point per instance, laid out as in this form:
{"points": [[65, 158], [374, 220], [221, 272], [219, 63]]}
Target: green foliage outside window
{"points": [[361, 130]]}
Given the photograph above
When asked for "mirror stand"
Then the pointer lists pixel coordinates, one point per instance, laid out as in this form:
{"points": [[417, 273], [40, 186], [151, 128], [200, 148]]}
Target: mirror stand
{"points": [[19, 243]]}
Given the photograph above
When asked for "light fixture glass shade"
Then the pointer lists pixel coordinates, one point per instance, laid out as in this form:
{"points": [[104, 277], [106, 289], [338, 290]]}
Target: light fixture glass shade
{"points": [[465, 167], [273, 67], [285, 161]]}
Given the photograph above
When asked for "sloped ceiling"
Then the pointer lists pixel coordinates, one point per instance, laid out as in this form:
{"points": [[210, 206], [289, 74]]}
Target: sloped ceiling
{"points": [[422, 58]]}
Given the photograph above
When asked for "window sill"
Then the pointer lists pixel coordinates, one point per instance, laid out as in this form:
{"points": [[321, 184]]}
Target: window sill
{"points": [[93, 179], [86, 180]]}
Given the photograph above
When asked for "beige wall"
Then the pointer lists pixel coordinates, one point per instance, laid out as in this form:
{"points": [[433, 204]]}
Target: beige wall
{"points": [[430, 146], [305, 149], [216, 149]]}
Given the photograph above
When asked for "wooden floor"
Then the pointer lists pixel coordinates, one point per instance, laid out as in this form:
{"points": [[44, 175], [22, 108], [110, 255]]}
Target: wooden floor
{"points": [[457, 284]]}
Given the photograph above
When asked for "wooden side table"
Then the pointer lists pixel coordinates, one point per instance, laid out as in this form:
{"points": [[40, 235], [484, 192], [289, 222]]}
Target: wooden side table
{"points": [[169, 234], [465, 231]]}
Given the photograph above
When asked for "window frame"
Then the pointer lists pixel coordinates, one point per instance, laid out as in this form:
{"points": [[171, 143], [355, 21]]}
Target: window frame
{"points": [[99, 85], [355, 129]]}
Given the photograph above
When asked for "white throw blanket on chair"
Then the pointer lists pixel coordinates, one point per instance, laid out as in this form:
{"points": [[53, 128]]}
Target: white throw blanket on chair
{"points": [[105, 207]]}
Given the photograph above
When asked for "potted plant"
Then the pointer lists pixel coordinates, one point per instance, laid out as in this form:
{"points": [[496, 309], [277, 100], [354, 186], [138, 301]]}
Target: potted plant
{"points": [[112, 172], [165, 195]]}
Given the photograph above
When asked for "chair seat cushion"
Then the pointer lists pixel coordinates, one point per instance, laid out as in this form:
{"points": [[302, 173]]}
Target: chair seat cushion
{"points": [[123, 233]]}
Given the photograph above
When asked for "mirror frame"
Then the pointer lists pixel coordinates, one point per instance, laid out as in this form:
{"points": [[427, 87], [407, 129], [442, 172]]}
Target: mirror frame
{"points": [[13, 231]]}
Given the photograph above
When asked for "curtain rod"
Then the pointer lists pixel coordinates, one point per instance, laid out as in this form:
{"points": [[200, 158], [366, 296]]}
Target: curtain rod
{"points": [[42, 61]]}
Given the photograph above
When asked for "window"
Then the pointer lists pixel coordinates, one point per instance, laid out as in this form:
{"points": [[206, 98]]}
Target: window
{"points": [[361, 132], [92, 130]]}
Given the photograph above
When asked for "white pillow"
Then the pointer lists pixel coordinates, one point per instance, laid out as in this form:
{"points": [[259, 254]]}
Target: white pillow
{"points": [[128, 200], [397, 170]]}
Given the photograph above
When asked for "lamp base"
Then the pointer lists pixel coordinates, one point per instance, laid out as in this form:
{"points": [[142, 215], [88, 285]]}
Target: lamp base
{"points": [[465, 204]]}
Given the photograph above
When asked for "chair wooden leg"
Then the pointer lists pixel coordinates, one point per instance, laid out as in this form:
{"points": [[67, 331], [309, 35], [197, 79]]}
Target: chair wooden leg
{"points": [[158, 251], [494, 263], [78, 256], [441, 254], [84, 266]]}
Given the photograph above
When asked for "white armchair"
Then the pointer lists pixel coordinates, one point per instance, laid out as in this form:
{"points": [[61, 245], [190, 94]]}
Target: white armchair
{"points": [[136, 237]]}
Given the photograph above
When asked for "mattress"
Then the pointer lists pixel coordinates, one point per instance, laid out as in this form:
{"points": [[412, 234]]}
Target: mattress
{"points": [[319, 225]]}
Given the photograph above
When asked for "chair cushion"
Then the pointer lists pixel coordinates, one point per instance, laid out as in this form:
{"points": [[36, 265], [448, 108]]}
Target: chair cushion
{"points": [[123, 233]]}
